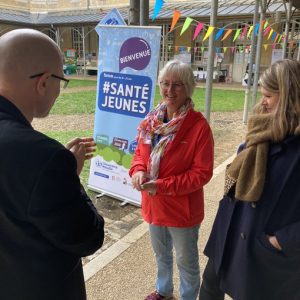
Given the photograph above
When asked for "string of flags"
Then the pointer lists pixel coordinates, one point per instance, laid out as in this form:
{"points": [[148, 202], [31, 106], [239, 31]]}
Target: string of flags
{"points": [[239, 48], [223, 33]]}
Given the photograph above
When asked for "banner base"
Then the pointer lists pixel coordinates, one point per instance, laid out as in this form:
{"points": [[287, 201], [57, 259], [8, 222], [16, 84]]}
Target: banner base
{"points": [[116, 196]]}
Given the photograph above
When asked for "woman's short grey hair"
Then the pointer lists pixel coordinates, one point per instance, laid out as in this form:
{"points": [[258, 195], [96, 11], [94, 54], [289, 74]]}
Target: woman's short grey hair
{"points": [[181, 70]]}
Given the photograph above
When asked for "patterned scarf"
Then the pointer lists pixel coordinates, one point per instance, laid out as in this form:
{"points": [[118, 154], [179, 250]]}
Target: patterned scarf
{"points": [[153, 124]]}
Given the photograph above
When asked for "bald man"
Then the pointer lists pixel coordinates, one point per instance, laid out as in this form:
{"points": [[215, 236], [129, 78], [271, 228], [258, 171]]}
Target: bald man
{"points": [[47, 222]]}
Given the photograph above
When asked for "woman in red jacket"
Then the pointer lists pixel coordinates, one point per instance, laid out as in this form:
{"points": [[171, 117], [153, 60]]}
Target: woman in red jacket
{"points": [[172, 163]]}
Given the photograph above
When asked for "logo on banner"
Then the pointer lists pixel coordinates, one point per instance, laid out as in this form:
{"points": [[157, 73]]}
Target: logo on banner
{"points": [[135, 53], [125, 94]]}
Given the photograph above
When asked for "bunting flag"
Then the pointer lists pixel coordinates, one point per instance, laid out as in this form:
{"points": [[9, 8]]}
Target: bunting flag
{"points": [[226, 34], [237, 34], [280, 38], [197, 30], [209, 32], [256, 29], [250, 30], [274, 46], [224, 49], [158, 6], [189, 49], [243, 34], [195, 49], [186, 25], [176, 17], [232, 49], [273, 37], [202, 50], [267, 30], [270, 34], [276, 37], [219, 33], [266, 24], [266, 46]]}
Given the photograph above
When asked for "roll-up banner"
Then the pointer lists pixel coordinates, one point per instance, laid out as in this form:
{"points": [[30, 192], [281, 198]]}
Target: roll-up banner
{"points": [[127, 71]]}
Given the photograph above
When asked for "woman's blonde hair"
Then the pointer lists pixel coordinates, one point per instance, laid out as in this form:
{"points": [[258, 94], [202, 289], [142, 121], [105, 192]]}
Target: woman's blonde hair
{"points": [[181, 70], [283, 77]]}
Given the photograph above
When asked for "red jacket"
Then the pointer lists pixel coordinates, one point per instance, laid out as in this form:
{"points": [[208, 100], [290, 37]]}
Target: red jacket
{"points": [[186, 166]]}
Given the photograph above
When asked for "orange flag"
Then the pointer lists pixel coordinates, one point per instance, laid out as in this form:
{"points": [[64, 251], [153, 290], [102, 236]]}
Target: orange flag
{"points": [[226, 34], [176, 17]]}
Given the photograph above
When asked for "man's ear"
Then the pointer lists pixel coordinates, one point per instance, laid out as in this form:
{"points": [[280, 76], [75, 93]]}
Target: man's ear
{"points": [[42, 84]]}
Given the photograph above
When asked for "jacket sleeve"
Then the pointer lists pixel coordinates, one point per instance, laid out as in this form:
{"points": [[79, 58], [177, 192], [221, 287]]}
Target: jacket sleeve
{"points": [[62, 211], [137, 163], [199, 173]]}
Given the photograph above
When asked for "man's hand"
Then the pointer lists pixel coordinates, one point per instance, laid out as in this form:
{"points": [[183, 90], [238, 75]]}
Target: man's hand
{"points": [[273, 241], [83, 149]]}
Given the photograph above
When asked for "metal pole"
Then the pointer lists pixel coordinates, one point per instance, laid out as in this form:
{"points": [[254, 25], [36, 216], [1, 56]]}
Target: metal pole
{"points": [[57, 37], [144, 12], [258, 53], [210, 61], [83, 52], [287, 27], [134, 12], [292, 37], [250, 69]]}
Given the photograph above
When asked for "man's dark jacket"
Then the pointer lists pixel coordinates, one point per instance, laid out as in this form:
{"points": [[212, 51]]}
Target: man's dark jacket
{"points": [[47, 222]]}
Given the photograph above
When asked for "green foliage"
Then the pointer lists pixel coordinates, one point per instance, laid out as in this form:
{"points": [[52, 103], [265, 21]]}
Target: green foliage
{"points": [[126, 161]]}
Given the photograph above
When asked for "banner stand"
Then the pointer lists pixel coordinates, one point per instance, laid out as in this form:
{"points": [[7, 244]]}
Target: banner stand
{"points": [[113, 195]]}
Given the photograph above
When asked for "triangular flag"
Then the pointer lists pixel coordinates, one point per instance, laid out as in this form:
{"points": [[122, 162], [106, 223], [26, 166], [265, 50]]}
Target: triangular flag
{"points": [[279, 39], [266, 46], [273, 37], [276, 37], [195, 49], [250, 30], [271, 31], [197, 30], [186, 24], [224, 49], [176, 17], [158, 6], [218, 50], [226, 34], [256, 28], [244, 32], [189, 49], [266, 24], [274, 46], [176, 48], [219, 33], [209, 32], [267, 30], [237, 34], [232, 49], [202, 49]]}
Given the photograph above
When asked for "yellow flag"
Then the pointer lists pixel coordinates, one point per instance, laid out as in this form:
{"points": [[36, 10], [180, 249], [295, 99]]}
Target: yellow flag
{"points": [[250, 30], [209, 32], [266, 46], [270, 34]]}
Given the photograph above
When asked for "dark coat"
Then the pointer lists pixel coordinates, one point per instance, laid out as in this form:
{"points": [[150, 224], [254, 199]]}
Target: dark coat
{"points": [[47, 222], [249, 266]]}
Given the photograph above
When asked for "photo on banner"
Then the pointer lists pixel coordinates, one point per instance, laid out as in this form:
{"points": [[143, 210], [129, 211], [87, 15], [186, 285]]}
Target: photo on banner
{"points": [[127, 71]]}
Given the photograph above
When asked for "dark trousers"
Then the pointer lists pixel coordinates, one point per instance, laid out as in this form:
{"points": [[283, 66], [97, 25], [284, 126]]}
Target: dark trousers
{"points": [[210, 287]]}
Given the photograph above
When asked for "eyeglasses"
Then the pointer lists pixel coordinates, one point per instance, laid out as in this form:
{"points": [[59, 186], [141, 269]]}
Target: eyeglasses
{"points": [[176, 85], [64, 81]]}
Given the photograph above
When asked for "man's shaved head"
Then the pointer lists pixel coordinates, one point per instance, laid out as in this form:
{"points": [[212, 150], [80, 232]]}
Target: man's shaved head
{"points": [[25, 52]]}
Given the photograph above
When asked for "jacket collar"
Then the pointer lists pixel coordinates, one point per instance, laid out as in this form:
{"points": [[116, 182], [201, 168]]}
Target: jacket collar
{"points": [[9, 111]]}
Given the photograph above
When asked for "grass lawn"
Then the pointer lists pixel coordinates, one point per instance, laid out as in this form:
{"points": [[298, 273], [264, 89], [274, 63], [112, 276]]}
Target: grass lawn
{"points": [[84, 102], [80, 83]]}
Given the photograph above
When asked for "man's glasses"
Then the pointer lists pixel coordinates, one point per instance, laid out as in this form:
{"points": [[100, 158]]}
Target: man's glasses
{"points": [[177, 86], [64, 81]]}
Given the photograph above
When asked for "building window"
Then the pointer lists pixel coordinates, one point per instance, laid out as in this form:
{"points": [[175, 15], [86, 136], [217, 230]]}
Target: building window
{"points": [[77, 40], [167, 43]]}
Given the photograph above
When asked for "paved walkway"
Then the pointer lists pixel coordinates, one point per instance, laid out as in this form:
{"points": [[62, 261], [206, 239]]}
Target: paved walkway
{"points": [[126, 270]]}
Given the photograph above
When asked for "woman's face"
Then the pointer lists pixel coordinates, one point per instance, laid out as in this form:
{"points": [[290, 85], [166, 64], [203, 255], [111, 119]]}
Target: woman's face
{"points": [[173, 92], [269, 100]]}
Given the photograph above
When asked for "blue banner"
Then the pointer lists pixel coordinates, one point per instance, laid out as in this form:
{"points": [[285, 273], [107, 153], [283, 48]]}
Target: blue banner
{"points": [[127, 70]]}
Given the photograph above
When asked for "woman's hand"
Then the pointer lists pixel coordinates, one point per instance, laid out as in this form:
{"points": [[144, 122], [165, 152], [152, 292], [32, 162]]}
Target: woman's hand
{"points": [[138, 179], [273, 241], [149, 186], [83, 149]]}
